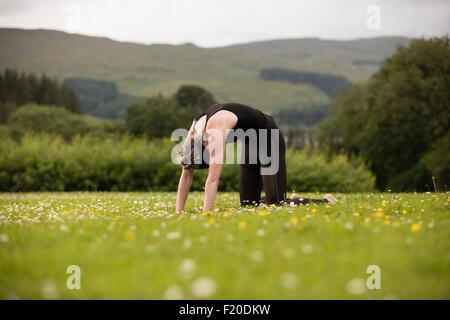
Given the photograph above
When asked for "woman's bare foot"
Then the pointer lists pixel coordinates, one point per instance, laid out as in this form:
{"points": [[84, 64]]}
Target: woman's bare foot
{"points": [[330, 198], [294, 196]]}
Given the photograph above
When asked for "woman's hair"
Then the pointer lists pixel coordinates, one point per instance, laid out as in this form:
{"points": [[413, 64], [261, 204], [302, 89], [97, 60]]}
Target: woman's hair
{"points": [[192, 153]]}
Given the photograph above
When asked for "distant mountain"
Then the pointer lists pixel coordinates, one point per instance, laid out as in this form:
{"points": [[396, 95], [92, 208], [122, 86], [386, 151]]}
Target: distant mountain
{"points": [[231, 73]]}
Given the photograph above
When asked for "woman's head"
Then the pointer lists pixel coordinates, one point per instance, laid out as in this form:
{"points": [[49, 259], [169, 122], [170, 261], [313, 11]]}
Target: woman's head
{"points": [[193, 154]]}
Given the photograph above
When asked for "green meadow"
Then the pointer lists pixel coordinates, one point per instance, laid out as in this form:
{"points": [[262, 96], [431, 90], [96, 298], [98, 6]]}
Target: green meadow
{"points": [[132, 245]]}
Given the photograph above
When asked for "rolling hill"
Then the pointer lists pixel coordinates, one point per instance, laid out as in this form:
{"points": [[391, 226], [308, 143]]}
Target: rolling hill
{"points": [[231, 73]]}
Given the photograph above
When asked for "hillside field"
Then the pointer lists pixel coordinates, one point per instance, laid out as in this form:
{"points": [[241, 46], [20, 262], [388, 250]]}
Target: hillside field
{"points": [[231, 73]]}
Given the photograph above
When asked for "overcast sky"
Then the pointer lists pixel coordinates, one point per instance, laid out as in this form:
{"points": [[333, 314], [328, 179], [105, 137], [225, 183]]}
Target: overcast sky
{"points": [[221, 22]]}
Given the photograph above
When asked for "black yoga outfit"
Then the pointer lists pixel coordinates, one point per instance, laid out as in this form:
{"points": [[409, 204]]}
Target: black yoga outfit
{"points": [[251, 180]]}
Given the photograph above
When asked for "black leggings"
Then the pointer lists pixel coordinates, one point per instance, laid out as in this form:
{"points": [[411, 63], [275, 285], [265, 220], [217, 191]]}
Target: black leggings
{"points": [[251, 181]]}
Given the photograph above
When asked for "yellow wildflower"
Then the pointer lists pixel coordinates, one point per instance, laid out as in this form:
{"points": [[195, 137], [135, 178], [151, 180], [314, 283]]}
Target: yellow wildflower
{"points": [[242, 224], [415, 227], [207, 213], [262, 214], [379, 214], [128, 236]]}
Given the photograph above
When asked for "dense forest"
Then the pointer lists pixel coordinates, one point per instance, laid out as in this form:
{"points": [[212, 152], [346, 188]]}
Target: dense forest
{"points": [[100, 97], [304, 117], [330, 84], [17, 89], [91, 92]]}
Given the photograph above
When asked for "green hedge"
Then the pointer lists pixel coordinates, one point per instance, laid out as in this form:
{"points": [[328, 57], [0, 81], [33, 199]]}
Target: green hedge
{"points": [[32, 118], [49, 163]]}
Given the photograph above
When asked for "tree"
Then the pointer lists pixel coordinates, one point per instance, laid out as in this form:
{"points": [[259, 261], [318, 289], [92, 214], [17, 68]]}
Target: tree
{"points": [[402, 111], [54, 120], [437, 160], [342, 131], [19, 89], [155, 118], [193, 96], [158, 116], [6, 109]]}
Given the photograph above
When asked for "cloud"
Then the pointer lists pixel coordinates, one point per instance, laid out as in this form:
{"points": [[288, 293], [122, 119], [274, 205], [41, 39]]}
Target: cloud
{"points": [[11, 7], [217, 22]]}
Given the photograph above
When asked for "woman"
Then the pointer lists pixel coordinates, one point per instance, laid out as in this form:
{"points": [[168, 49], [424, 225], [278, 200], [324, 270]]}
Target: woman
{"points": [[212, 128]]}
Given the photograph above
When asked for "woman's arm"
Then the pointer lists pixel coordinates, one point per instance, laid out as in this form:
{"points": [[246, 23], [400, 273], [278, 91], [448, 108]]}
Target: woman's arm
{"points": [[211, 185], [216, 148], [183, 189]]}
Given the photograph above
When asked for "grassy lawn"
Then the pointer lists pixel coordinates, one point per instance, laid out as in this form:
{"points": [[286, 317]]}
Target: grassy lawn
{"points": [[131, 245]]}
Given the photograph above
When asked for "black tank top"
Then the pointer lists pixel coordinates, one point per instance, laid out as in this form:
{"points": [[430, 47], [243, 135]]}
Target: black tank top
{"points": [[248, 117]]}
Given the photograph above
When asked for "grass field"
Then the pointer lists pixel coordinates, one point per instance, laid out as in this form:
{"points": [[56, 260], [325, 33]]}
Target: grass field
{"points": [[131, 245]]}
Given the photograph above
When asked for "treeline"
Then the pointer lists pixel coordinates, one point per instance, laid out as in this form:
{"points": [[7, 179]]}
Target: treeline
{"points": [[328, 83], [100, 97], [36, 119], [158, 116], [48, 163], [91, 92], [44, 148], [309, 117], [17, 89], [155, 117], [399, 121], [367, 62]]}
